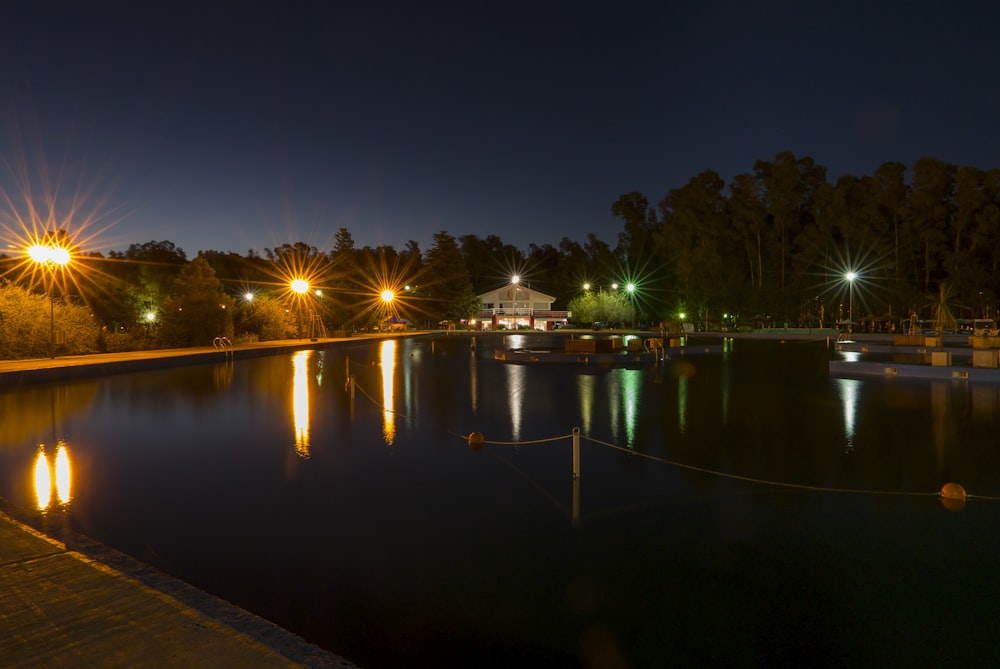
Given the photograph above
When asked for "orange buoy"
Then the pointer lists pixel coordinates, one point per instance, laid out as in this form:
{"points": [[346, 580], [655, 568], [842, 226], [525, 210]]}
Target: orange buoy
{"points": [[476, 441], [953, 496]]}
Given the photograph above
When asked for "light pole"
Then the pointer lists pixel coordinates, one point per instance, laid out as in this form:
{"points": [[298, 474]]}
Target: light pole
{"points": [[850, 276], [630, 289], [51, 258], [300, 287]]}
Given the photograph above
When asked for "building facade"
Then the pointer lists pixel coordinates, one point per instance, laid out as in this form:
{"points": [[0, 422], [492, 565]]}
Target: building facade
{"points": [[516, 306]]}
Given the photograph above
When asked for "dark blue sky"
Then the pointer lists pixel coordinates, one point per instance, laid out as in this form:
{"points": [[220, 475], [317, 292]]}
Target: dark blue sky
{"points": [[237, 125]]}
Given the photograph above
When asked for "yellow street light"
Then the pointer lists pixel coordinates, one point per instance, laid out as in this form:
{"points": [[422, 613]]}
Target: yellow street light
{"points": [[51, 258]]}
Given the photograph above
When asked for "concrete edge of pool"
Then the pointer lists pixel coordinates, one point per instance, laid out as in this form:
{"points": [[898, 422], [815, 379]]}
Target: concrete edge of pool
{"points": [[80, 603]]}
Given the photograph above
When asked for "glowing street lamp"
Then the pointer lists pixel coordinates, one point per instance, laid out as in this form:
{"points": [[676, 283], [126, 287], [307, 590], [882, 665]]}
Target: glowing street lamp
{"points": [[51, 258], [850, 276], [630, 289], [300, 287]]}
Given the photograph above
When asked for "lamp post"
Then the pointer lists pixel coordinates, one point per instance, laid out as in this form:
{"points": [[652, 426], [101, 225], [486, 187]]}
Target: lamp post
{"points": [[51, 258], [515, 280], [300, 287], [850, 276], [630, 289]]}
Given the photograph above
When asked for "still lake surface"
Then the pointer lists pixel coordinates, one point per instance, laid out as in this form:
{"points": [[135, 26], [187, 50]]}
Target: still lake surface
{"points": [[373, 529]]}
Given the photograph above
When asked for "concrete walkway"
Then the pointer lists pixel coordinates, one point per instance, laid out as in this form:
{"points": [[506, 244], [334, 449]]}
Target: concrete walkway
{"points": [[13, 372], [71, 602], [63, 608]]}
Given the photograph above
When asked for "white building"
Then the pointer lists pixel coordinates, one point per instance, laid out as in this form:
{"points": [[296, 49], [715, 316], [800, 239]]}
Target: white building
{"points": [[515, 305]]}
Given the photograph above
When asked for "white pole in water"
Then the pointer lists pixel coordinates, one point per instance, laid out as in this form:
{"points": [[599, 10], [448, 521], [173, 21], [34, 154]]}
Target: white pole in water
{"points": [[347, 368], [576, 452]]}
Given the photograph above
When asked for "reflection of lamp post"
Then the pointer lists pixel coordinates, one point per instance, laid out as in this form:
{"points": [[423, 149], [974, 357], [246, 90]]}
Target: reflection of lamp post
{"points": [[51, 258], [850, 276]]}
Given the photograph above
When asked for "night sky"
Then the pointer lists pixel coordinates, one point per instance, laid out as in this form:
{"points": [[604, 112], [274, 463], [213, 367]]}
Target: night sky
{"points": [[242, 125]]}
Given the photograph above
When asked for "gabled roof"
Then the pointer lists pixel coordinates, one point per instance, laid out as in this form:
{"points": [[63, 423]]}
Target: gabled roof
{"points": [[508, 292]]}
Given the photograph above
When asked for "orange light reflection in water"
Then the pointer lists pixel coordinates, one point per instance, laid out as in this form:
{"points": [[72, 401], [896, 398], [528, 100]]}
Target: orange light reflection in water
{"points": [[300, 402], [388, 352], [63, 474], [43, 480]]}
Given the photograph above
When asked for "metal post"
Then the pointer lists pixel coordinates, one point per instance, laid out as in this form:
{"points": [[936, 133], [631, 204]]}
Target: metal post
{"points": [[576, 452], [52, 325], [576, 503]]}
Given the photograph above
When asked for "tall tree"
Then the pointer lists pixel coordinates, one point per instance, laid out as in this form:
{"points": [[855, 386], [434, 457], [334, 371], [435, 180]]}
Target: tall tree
{"points": [[932, 206], [787, 185], [635, 241], [447, 286], [199, 310]]}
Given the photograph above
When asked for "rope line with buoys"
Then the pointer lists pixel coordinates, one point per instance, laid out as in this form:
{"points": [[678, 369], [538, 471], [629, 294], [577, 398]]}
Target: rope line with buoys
{"points": [[952, 495], [750, 479]]}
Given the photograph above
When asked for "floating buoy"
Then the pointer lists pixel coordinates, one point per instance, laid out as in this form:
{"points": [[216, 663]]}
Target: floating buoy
{"points": [[953, 496], [476, 441]]}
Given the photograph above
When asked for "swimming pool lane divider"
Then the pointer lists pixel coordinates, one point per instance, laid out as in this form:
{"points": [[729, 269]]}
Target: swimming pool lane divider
{"points": [[952, 495]]}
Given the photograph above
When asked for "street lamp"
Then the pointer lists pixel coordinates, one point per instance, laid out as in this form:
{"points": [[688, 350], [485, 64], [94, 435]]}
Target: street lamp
{"points": [[630, 289], [300, 287], [51, 258], [850, 276]]}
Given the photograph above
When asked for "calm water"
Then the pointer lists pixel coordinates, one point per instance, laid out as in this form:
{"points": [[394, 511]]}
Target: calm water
{"points": [[381, 536]]}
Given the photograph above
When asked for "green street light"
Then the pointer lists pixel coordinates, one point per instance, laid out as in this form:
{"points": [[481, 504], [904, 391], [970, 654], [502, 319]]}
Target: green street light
{"points": [[850, 276], [630, 289]]}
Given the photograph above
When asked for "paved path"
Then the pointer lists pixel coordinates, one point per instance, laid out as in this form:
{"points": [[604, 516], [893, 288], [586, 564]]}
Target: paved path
{"points": [[76, 603], [61, 368], [62, 608]]}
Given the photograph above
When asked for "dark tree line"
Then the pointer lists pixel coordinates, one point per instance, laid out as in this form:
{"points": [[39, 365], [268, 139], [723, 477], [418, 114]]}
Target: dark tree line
{"points": [[772, 246]]}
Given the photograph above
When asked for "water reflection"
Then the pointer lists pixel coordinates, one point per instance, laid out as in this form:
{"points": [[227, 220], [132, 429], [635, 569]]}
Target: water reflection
{"points": [[850, 392], [631, 382], [473, 381], [30, 413], [682, 403], [43, 478], [515, 398], [388, 357], [63, 476], [941, 425], [585, 389], [300, 402]]}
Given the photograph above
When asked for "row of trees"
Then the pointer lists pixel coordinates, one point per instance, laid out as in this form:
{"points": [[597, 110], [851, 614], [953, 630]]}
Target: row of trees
{"points": [[772, 246]]}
